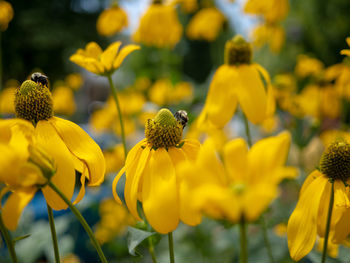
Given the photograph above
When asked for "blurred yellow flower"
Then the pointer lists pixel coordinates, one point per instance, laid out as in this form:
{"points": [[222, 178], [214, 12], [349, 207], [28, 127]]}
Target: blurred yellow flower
{"points": [[114, 221], [114, 158], [163, 92], [280, 229], [272, 10], [340, 73], [309, 218], [74, 81], [159, 26], [206, 24], [6, 14], [7, 97], [111, 21], [187, 6], [69, 145], [241, 81], [152, 175], [241, 187], [308, 66], [346, 51], [99, 62], [273, 35], [63, 100]]}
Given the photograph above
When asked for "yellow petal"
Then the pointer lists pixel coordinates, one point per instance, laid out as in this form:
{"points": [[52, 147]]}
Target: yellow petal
{"points": [[93, 50], [81, 145], [81, 191], [302, 224], [251, 94], [345, 52], [123, 53], [257, 199], [160, 193], [220, 103], [235, 157], [267, 155], [114, 185], [342, 228], [64, 178], [177, 156], [109, 55], [14, 206], [133, 181], [191, 148]]}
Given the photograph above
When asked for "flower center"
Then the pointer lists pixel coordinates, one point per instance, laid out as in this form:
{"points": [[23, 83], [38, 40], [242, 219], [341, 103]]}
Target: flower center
{"points": [[164, 130], [238, 51], [238, 188], [33, 102], [335, 161]]}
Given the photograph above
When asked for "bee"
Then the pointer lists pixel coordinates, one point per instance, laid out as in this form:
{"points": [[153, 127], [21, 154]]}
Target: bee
{"points": [[40, 78], [181, 116]]}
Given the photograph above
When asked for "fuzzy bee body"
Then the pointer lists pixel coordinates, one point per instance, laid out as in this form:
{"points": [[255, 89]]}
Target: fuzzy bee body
{"points": [[181, 116], [40, 78]]}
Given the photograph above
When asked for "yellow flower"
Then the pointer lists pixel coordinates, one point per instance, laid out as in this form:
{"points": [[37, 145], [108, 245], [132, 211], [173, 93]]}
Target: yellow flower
{"points": [[101, 62], [7, 96], [346, 51], [114, 221], [187, 6], [22, 163], [74, 81], [6, 14], [238, 81], [307, 66], [63, 100], [341, 74], [111, 21], [206, 24], [163, 92], [241, 187], [159, 27], [152, 175], [310, 215], [272, 10], [273, 35], [332, 249], [114, 158], [280, 229], [70, 147]]}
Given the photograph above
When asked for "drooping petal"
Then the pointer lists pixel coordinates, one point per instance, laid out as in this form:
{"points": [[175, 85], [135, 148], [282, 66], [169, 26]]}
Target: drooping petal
{"points": [[109, 55], [302, 224], [342, 228], [160, 193], [177, 156], [114, 185], [81, 191], [132, 183], [221, 103], [64, 178], [81, 145], [251, 94], [191, 148], [14, 206], [235, 157], [123, 53]]}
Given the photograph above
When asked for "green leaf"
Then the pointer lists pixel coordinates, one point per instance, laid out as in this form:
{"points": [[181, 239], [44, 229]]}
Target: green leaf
{"points": [[20, 238], [135, 237]]}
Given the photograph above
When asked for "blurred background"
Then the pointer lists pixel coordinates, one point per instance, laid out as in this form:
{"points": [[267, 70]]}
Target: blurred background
{"points": [[298, 42]]}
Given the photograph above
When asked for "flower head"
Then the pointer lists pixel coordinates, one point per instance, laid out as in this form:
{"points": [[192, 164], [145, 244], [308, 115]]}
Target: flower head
{"points": [[99, 62], [71, 148], [206, 24], [159, 26], [346, 51], [238, 81], [309, 218], [151, 172], [111, 21], [243, 185]]}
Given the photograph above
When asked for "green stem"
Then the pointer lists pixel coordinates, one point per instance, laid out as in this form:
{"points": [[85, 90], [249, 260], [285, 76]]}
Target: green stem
{"points": [[247, 131], [151, 250], [53, 233], [81, 220], [171, 247], [329, 217], [266, 239], [115, 97], [8, 241], [243, 239]]}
